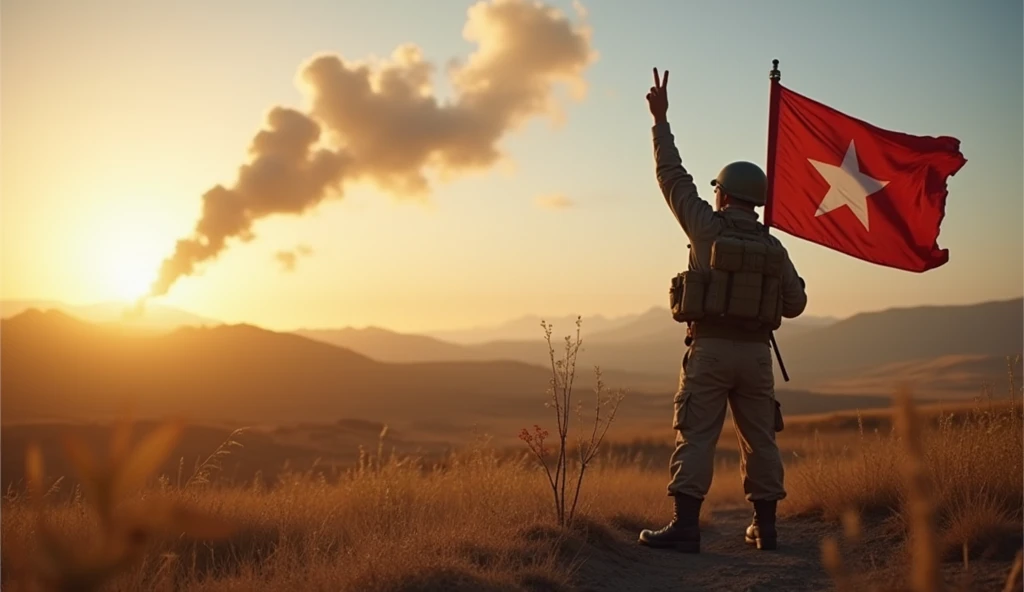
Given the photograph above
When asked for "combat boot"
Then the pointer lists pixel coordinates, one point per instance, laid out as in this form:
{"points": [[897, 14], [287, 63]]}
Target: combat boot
{"points": [[683, 532], [761, 531]]}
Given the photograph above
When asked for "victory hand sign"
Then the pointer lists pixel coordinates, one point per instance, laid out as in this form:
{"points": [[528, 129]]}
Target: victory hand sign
{"points": [[657, 98]]}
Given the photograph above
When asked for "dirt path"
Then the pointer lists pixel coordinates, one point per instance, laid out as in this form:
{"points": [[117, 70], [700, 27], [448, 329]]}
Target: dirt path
{"points": [[724, 563], [727, 564]]}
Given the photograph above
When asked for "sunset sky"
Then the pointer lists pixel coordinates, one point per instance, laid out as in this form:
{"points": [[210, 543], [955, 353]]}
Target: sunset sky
{"points": [[118, 116]]}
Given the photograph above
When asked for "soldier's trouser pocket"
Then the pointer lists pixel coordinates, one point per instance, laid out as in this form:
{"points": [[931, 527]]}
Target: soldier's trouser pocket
{"points": [[779, 423], [681, 401]]}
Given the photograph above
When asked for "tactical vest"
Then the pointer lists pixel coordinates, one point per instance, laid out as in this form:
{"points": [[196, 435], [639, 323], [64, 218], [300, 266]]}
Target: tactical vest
{"points": [[743, 288]]}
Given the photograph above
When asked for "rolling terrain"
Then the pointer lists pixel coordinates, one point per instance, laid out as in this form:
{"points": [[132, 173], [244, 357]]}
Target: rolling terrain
{"points": [[157, 317], [651, 333], [951, 350], [528, 327], [56, 366], [304, 521], [321, 421], [867, 343]]}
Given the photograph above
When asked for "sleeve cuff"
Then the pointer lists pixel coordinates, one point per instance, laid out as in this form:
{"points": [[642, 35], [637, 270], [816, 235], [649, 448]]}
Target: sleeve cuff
{"points": [[661, 129]]}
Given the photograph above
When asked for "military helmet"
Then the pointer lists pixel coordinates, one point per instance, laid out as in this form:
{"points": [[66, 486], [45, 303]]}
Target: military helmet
{"points": [[743, 180]]}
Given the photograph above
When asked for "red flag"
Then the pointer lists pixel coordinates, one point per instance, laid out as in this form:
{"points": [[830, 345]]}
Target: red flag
{"points": [[875, 194]]}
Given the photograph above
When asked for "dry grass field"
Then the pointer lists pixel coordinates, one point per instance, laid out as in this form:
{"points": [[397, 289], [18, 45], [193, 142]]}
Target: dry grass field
{"points": [[483, 521], [904, 500]]}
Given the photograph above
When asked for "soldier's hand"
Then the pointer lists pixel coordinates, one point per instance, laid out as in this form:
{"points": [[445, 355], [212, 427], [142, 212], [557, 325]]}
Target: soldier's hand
{"points": [[657, 98]]}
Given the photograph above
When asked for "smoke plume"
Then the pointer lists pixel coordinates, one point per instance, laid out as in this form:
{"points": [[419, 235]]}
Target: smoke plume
{"points": [[289, 259], [554, 201], [384, 124]]}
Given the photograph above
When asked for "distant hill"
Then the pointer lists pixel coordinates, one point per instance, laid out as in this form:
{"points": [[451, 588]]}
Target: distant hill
{"points": [[875, 344], [654, 323], [157, 317], [55, 367], [528, 328], [821, 354], [389, 346], [654, 326], [60, 369], [942, 377], [657, 325]]}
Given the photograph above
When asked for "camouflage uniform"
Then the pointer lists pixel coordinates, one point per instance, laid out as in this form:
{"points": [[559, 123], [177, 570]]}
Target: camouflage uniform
{"points": [[723, 364]]}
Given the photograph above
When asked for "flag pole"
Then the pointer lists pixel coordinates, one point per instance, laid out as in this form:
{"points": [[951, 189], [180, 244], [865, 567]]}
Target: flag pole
{"points": [[773, 131]]}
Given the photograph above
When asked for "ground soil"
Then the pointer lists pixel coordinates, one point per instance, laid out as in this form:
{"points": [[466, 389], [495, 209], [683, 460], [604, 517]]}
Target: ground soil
{"points": [[615, 561]]}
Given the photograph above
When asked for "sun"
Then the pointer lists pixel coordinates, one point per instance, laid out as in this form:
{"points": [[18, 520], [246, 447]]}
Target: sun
{"points": [[123, 248], [129, 274], [121, 244]]}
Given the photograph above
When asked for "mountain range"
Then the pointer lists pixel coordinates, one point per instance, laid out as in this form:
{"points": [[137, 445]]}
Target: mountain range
{"points": [[644, 325], [56, 365], [654, 326], [949, 350], [59, 367], [156, 317]]}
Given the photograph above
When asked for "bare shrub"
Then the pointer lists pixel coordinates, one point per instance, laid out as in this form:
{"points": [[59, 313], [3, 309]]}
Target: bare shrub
{"points": [[563, 374]]}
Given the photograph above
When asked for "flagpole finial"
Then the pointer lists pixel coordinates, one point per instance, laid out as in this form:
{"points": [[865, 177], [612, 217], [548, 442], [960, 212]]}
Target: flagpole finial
{"points": [[775, 74]]}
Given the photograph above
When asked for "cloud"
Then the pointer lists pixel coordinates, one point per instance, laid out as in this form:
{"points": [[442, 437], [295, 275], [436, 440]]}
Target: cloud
{"points": [[554, 201], [289, 259], [286, 259], [383, 123]]}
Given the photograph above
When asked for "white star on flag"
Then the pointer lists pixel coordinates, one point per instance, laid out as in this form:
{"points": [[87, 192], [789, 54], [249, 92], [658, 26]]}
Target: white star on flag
{"points": [[848, 186]]}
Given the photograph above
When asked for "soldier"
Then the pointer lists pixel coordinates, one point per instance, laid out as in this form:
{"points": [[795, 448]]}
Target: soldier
{"points": [[728, 358]]}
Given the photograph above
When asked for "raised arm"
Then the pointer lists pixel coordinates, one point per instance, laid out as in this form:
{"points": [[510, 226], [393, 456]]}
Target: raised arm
{"points": [[695, 215]]}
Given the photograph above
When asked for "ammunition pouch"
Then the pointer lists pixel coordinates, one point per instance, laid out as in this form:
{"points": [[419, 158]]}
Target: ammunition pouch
{"points": [[742, 290], [686, 296]]}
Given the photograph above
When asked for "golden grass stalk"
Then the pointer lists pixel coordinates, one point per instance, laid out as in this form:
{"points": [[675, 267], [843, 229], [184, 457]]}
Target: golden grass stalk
{"points": [[971, 513], [924, 574], [125, 529], [1013, 581]]}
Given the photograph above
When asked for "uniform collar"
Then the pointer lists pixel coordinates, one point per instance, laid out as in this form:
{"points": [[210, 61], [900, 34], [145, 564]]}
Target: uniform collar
{"points": [[740, 214]]}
